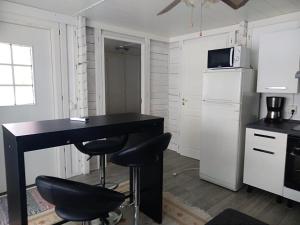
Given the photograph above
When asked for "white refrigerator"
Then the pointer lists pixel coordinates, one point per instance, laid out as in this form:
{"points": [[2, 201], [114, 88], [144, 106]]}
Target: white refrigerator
{"points": [[229, 102]]}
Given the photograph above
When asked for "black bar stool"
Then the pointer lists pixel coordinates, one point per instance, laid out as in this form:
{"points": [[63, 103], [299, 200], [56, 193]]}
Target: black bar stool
{"points": [[101, 148], [144, 154], [76, 201]]}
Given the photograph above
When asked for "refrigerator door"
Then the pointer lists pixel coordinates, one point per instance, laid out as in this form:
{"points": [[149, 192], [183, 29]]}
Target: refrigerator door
{"points": [[222, 86], [219, 146]]}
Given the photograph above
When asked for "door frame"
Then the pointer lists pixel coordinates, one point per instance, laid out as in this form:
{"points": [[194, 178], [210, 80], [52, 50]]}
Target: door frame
{"points": [[100, 35], [59, 62]]}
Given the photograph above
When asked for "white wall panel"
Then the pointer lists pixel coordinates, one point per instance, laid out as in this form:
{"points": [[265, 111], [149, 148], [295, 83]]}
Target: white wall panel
{"points": [[175, 59], [90, 38], [159, 79]]}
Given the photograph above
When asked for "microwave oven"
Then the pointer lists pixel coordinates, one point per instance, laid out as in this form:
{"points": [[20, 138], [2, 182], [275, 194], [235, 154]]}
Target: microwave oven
{"points": [[234, 57]]}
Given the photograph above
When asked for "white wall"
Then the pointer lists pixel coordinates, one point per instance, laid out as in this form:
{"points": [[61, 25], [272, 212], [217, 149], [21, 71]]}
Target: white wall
{"points": [[256, 29], [255, 34]]}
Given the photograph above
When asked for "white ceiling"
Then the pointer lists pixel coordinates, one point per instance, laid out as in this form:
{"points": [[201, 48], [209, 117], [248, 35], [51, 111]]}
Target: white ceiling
{"points": [[141, 14]]}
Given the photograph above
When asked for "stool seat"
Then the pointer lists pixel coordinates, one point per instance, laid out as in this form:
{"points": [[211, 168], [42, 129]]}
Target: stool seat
{"points": [[76, 201], [143, 154], [233, 217], [102, 146]]}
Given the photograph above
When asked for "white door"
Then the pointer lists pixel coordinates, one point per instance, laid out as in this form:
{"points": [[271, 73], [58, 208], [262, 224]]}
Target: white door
{"points": [[26, 91], [219, 142], [194, 64]]}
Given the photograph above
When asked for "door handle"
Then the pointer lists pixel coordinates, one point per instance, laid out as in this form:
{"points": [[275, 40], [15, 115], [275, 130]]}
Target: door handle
{"points": [[265, 136], [263, 151]]}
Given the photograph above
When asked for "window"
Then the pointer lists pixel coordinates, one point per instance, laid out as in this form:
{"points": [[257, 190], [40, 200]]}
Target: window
{"points": [[16, 75]]}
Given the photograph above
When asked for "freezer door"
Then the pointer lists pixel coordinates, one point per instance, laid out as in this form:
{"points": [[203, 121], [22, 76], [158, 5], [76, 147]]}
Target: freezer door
{"points": [[222, 86], [219, 146]]}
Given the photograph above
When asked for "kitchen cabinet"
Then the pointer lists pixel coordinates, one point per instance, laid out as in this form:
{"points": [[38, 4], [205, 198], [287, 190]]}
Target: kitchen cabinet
{"points": [[279, 58], [264, 163]]}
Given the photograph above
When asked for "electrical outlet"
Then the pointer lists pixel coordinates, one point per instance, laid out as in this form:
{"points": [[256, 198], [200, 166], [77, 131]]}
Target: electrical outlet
{"points": [[292, 108]]}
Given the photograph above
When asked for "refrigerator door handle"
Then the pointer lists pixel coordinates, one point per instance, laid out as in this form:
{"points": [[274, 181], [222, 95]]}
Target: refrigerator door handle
{"points": [[219, 101]]}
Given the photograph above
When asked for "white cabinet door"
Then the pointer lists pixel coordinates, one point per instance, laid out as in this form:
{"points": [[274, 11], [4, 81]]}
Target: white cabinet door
{"points": [[279, 57], [265, 160], [219, 143]]}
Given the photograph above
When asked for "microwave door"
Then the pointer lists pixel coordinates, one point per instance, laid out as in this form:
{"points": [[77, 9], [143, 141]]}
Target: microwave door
{"points": [[220, 58]]}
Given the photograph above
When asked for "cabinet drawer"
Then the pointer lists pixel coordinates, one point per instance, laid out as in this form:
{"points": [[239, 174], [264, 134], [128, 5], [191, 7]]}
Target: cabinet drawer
{"points": [[265, 160], [266, 141]]}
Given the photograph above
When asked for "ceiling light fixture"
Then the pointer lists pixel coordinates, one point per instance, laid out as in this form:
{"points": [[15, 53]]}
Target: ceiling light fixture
{"points": [[234, 4]]}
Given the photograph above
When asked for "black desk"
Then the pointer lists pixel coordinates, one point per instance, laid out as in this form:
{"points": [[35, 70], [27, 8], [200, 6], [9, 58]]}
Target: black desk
{"points": [[29, 136]]}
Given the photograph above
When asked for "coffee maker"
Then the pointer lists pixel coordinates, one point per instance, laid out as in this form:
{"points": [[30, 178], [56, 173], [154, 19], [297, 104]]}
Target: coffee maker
{"points": [[274, 106]]}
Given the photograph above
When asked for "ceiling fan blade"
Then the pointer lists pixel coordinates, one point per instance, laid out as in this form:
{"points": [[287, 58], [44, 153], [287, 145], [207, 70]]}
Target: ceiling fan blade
{"points": [[235, 4], [169, 7]]}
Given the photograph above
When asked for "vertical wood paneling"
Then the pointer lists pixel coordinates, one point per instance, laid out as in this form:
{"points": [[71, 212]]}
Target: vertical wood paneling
{"points": [[174, 92], [159, 84], [81, 68], [91, 82], [91, 71]]}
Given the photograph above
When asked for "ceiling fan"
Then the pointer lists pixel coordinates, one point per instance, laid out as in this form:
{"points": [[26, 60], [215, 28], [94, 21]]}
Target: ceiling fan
{"points": [[235, 4]]}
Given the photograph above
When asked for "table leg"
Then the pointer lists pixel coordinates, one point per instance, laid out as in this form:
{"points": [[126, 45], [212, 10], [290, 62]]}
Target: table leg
{"points": [[152, 190], [151, 179], [15, 179]]}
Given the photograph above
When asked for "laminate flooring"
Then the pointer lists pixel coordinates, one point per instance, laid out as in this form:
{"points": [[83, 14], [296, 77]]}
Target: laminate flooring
{"points": [[209, 197]]}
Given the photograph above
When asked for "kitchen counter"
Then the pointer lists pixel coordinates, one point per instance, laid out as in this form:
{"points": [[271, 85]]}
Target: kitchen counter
{"points": [[286, 126]]}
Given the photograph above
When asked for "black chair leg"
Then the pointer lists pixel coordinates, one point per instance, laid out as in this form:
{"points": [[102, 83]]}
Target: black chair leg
{"points": [[136, 192], [87, 223], [102, 170], [102, 174], [104, 221]]}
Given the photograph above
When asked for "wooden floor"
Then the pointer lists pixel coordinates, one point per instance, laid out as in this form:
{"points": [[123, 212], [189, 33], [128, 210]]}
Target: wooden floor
{"points": [[209, 197]]}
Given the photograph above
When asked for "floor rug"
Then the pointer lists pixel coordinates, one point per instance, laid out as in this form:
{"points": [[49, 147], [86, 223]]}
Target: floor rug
{"points": [[176, 212]]}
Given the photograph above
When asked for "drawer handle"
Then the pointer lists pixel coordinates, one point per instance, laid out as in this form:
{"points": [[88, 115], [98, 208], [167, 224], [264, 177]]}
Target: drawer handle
{"points": [[264, 151], [265, 136], [276, 88]]}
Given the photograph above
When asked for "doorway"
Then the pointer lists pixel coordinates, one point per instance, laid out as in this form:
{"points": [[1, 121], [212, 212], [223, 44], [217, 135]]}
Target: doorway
{"points": [[122, 76]]}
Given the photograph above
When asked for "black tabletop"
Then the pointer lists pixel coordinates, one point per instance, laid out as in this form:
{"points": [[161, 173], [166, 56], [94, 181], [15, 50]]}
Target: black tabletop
{"points": [[286, 126], [48, 126]]}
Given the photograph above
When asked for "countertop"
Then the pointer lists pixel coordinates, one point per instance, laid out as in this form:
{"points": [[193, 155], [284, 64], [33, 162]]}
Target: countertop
{"points": [[286, 126]]}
